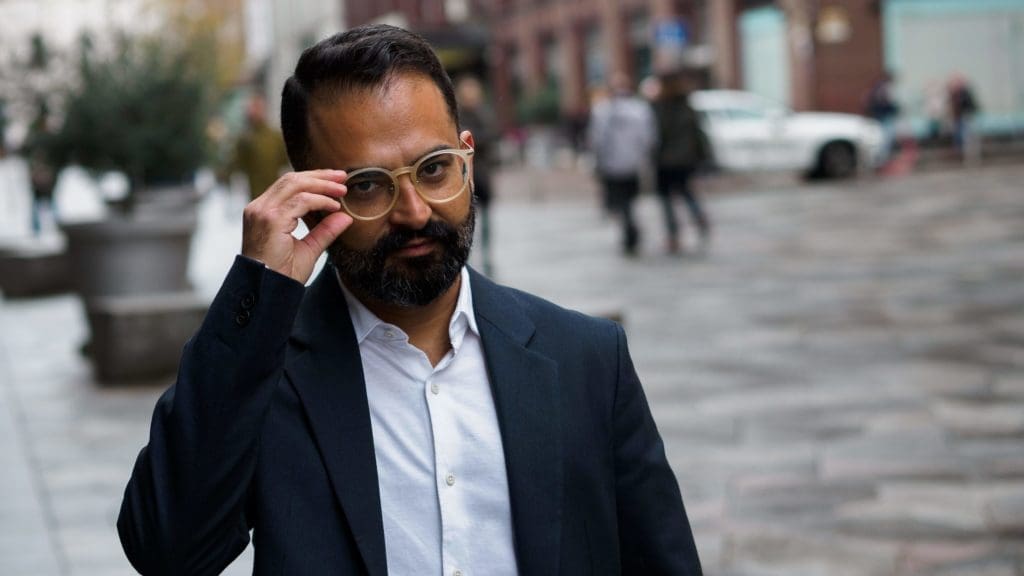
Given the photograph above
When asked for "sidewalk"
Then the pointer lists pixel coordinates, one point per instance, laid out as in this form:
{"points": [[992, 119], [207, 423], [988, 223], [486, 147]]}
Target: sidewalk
{"points": [[839, 382]]}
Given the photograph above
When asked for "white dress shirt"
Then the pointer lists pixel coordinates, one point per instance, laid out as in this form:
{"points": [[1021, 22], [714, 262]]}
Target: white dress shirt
{"points": [[440, 463]]}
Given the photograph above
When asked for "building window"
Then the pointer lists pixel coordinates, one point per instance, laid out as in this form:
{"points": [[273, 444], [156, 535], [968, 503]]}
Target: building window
{"points": [[553, 60], [640, 44], [595, 57]]}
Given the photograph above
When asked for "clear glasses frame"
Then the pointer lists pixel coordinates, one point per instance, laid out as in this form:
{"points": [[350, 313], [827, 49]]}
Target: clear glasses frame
{"points": [[412, 170]]}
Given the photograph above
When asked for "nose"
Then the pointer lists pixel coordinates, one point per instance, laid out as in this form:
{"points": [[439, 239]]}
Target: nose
{"points": [[410, 211]]}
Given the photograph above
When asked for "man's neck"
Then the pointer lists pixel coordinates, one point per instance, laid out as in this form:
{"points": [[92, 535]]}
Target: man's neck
{"points": [[426, 326]]}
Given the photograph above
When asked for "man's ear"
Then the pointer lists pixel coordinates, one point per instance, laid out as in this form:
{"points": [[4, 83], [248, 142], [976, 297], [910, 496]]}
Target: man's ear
{"points": [[467, 138]]}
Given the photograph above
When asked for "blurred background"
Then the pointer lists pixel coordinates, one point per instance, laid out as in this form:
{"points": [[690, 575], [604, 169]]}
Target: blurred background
{"points": [[832, 342]]}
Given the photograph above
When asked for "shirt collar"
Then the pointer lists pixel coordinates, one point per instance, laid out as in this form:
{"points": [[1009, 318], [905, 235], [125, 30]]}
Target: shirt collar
{"points": [[364, 321]]}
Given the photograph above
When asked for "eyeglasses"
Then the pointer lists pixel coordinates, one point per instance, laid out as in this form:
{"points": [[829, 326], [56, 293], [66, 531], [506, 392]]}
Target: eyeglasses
{"points": [[438, 177]]}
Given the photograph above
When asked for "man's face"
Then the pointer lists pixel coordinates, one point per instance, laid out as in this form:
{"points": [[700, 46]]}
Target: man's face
{"points": [[413, 254]]}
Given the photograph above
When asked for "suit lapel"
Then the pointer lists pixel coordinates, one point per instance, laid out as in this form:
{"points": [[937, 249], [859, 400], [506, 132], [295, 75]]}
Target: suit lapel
{"points": [[527, 401], [327, 374]]}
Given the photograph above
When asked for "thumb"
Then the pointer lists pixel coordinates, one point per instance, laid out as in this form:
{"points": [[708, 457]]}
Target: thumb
{"points": [[326, 231]]}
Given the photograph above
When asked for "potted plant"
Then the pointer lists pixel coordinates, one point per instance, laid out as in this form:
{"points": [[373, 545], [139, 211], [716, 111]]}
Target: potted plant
{"points": [[139, 109]]}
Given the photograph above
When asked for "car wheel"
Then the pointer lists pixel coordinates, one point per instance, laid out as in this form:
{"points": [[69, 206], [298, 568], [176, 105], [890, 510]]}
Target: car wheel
{"points": [[837, 160]]}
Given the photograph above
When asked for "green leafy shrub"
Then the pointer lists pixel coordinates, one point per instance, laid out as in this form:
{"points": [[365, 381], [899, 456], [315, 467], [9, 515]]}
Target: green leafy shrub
{"points": [[140, 108]]}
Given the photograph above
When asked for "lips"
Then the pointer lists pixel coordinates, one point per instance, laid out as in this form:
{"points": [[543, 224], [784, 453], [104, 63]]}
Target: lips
{"points": [[417, 247]]}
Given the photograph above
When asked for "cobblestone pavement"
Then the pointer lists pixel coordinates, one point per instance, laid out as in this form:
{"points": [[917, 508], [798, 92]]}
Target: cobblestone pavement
{"points": [[839, 379]]}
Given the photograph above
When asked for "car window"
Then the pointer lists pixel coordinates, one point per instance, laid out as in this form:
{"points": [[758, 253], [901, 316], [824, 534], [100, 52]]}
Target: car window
{"points": [[746, 113], [712, 114]]}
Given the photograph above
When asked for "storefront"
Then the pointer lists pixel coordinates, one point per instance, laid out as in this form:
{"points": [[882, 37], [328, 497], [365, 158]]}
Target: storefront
{"points": [[928, 42]]}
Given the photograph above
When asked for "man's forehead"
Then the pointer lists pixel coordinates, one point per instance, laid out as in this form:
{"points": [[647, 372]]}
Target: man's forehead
{"points": [[391, 88], [404, 97], [349, 124]]}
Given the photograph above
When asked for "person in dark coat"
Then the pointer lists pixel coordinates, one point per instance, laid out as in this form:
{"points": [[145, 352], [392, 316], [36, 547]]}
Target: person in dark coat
{"points": [[42, 166], [478, 119], [682, 149], [403, 415], [962, 107]]}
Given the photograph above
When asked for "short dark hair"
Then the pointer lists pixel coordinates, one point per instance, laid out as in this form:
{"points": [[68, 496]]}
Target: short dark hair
{"points": [[363, 57]]}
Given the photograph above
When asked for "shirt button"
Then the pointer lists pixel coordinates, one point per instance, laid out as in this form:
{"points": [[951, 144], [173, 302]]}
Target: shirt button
{"points": [[457, 573], [389, 333], [450, 479], [435, 388]]}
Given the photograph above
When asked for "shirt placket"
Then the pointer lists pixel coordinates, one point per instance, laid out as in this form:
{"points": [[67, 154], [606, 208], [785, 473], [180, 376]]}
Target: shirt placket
{"points": [[446, 462]]}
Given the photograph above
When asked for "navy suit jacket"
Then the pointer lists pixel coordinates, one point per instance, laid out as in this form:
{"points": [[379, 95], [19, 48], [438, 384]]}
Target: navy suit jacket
{"points": [[267, 430]]}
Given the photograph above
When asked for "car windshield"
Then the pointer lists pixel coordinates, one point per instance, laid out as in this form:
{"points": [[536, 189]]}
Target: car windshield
{"points": [[742, 106]]}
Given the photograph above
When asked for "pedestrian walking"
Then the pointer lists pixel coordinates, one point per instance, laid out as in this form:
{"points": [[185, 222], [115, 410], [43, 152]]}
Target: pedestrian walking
{"points": [[682, 149], [38, 152], [479, 120], [936, 110], [881, 105], [402, 415], [622, 135], [962, 108], [259, 152]]}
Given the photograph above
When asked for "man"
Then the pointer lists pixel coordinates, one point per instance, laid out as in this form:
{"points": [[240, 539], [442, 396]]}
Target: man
{"points": [[622, 133], [477, 118], [883, 107], [259, 153], [402, 415], [682, 149], [962, 107]]}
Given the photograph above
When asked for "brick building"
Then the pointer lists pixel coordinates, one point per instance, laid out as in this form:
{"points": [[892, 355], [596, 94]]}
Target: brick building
{"points": [[809, 54], [574, 46]]}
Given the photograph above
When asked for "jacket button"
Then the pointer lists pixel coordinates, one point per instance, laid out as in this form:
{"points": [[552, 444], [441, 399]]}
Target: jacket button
{"points": [[242, 318], [248, 301]]}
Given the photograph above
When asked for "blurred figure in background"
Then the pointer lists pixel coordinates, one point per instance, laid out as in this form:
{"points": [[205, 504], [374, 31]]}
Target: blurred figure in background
{"points": [[682, 149], [622, 134], [478, 119], [576, 129], [935, 109], [881, 105], [3, 129], [595, 97], [962, 108], [42, 169], [259, 152]]}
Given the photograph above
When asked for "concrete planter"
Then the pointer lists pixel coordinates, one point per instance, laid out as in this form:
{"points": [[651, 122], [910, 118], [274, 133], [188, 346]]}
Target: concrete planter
{"points": [[138, 338], [131, 272], [34, 268], [142, 253]]}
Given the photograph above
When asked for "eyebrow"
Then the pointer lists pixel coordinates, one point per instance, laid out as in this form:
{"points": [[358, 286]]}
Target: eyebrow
{"points": [[437, 148]]}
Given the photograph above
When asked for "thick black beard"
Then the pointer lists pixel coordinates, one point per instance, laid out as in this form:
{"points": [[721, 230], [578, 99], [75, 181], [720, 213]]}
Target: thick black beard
{"points": [[409, 282]]}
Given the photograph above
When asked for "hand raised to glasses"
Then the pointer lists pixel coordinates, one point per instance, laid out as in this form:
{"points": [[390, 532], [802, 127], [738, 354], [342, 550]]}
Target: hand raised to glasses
{"points": [[269, 220]]}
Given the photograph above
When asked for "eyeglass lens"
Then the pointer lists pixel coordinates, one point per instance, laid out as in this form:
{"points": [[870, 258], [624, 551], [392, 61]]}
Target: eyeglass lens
{"points": [[438, 177]]}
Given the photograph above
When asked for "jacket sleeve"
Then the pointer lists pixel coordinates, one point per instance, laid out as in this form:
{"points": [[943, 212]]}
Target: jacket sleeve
{"points": [[654, 532], [184, 508]]}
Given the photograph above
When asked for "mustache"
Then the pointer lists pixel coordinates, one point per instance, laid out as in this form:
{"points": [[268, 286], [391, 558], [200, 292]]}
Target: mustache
{"points": [[398, 238]]}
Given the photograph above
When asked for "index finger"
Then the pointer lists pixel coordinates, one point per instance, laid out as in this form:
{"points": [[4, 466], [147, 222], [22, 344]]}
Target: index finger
{"points": [[316, 181], [338, 176]]}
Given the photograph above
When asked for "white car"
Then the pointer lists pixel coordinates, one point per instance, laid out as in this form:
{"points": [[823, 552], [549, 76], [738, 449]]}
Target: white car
{"points": [[749, 132]]}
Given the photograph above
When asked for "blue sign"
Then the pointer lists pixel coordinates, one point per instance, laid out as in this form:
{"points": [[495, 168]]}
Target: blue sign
{"points": [[671, 32]]}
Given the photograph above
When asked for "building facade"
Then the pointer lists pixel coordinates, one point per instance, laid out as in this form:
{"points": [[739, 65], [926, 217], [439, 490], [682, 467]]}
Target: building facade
{"points": [[277, 31], [573, 46], [811, 54], [827, 54]]}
